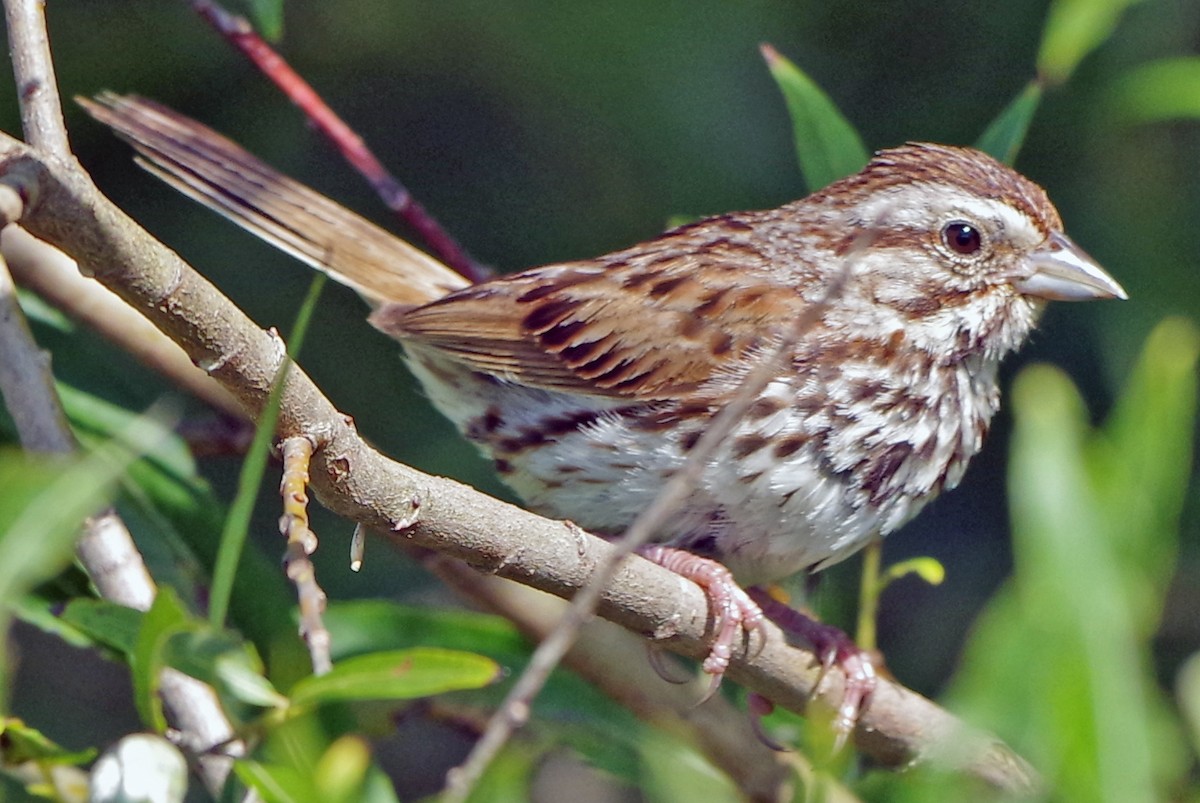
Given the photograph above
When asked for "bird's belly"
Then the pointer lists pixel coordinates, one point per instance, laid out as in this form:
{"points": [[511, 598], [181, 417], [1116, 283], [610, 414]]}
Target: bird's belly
{"points": [[777, 496]]}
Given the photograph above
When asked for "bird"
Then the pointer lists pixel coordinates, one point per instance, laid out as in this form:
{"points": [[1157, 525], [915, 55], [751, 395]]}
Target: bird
{"points": [[587, 383]]}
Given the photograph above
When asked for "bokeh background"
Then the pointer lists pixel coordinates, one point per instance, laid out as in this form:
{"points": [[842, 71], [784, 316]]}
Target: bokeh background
{"points": [[540, 131]]}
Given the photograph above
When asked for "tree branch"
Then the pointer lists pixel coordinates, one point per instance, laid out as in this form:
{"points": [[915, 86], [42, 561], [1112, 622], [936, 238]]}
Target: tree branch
{"points": [[105, 546], [354, 480]]}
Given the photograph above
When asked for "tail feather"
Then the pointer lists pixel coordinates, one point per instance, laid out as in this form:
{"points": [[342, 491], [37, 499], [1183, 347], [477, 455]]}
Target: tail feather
{"points": [[226, 178]]}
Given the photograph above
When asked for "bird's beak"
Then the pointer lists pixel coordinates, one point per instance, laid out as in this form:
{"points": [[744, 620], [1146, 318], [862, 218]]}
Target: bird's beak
{"points": [[1059, 270]]}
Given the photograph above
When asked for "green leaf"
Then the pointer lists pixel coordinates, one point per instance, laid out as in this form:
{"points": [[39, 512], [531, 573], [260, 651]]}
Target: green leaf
{"points": [[1188, 692], [1056, 662], [222, 660], [1168, 89], [1074, 28], [275, 783], [44, 503], [110, 624], [672, 771], [827, 145], [267, 16], [362, 626], [20, 743], [1005, 135], [164, 618], [397, 675], [510, 775]]}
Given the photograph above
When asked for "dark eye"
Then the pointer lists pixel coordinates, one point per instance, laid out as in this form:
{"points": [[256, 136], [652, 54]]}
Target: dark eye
{"points": [[962, 238]]}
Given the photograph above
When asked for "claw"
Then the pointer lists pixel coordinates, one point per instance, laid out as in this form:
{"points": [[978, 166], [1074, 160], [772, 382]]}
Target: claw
{"points": [[760, 707], [667, 671], [734, 612]]}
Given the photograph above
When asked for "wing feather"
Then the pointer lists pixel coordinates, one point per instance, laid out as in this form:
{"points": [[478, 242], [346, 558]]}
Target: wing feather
{"points": [[589, 327]]}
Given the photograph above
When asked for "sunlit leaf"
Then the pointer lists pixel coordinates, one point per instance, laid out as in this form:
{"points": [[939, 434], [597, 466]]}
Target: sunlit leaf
{"points": [[275, 783], [267, 16], [672, 771], [827, 145], [20, 743], [398, 675], [509, 776], [237, 522], [165, 616], [1188, 691], [1074, 28], [341, 772], [1054, 663], [1168, 89], [222, 660]]}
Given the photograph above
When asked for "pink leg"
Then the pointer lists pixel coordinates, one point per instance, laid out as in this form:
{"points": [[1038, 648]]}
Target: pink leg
{"points": [[734, 613], [834, 648]]}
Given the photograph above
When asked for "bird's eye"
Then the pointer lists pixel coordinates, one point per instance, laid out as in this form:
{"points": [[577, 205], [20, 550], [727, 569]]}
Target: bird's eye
{"points": [[962, 238]]}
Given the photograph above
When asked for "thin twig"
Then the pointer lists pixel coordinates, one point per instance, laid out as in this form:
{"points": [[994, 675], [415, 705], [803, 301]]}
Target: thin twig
{"points": [[513, 712], [33, 69], [26, 383], [302, 542], [239, 33]]}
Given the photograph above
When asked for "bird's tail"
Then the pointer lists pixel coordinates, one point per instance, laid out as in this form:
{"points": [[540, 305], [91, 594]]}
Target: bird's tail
{"points": [[223, 176]]}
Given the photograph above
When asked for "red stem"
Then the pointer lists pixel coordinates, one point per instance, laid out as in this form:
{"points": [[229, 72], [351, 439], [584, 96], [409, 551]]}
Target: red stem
{"points": [[238, 32]]}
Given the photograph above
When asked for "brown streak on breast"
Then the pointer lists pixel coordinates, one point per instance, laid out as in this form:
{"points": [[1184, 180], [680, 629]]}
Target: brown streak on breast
{"points": [[747, 445], [789, 445]]}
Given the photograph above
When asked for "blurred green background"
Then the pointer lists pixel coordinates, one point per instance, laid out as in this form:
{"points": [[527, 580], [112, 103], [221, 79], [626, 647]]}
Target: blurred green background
{"points": [[540, 131]]}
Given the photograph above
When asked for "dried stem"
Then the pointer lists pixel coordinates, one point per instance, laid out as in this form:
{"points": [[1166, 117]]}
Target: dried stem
{"points": [[301, 542], [33, 69]]}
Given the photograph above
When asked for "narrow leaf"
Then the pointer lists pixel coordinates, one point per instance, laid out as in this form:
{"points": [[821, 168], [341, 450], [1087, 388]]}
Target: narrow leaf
{"points": [[223, 661], [1074, 28], [268, 18], [827, 145], [275, 783], [1005, 135], [165, 616], [399, 675], [237, 524], [110, 624], [1168, 89], [21, 743]]}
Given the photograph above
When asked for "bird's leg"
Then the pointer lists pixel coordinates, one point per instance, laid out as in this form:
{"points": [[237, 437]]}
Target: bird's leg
{"points": [[734, 613], [833, 648]]}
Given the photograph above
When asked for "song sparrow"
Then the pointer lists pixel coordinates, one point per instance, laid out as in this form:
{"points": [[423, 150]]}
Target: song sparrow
{"points": [[588, 382]]}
